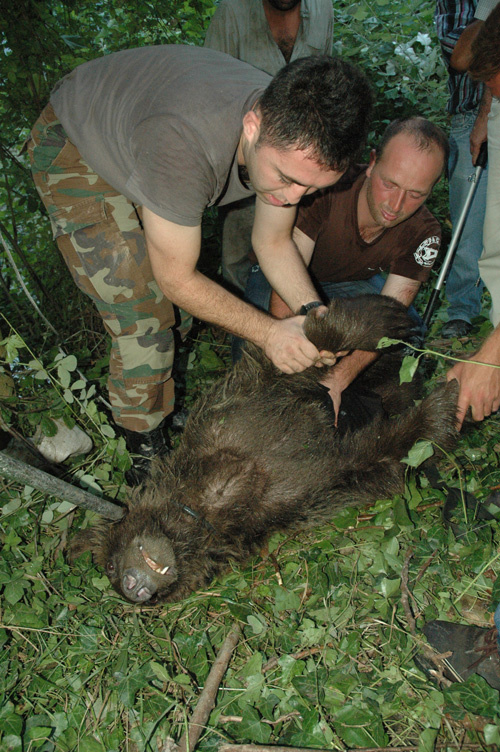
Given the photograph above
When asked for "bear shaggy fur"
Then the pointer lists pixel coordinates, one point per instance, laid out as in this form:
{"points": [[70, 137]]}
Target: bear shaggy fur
{"points": [[260, 453]]}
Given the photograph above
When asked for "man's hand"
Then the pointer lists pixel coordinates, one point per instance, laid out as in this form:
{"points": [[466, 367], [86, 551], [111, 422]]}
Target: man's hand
{"points": [[336, 385], [287, 346], [479, 132], [344, 374], [478, 135], [479, 389]]}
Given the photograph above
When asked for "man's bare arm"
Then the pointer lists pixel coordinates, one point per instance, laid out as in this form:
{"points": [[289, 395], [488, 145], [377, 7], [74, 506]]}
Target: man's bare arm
{"points": [[174, 251], [344, 373], [479, 132], [305, 244], [462, 54], [276, 251]]}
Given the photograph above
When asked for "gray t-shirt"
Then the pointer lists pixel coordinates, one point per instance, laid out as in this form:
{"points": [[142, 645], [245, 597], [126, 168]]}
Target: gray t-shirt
{"points": [[162, 124]]}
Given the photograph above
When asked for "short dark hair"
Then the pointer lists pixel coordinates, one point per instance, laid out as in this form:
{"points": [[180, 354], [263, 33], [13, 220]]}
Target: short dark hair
{"points": [[319, 104], [485, 48], [424, 133]]}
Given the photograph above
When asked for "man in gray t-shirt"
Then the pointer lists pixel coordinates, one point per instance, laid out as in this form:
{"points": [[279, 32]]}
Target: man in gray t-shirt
{"points": [[130, 151]]}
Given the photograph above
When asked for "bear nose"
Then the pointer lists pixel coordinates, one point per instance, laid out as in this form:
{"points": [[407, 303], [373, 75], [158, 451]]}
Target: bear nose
{"points": [[129, 582], [137, 586]]}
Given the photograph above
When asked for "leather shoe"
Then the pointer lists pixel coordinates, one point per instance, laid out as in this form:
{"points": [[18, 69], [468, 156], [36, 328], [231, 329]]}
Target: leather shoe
{"points": [[144, 447], [456, 328], [474, 650]]}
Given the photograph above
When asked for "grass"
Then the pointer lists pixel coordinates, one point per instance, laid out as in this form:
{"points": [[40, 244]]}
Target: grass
{"points": [[331, 623]]}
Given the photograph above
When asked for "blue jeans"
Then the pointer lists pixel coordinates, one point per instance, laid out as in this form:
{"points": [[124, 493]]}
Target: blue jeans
{"points": [[497, 625], [464, 286], [258, 290]]}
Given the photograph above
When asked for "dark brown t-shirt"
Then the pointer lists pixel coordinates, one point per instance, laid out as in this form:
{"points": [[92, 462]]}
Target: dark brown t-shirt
{"points": [[341, 254]]}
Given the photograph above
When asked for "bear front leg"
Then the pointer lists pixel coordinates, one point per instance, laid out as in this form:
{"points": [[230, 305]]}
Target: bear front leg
{"points": [[358, 323]]}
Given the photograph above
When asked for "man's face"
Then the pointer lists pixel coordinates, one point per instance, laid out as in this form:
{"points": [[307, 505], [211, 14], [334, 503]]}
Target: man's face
{"points": [[400, 181], [281, 177], [493, 84], [283, 4]]}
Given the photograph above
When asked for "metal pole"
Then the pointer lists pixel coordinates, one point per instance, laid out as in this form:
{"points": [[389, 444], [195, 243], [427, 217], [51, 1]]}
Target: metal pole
{"points": [[22, 473]]}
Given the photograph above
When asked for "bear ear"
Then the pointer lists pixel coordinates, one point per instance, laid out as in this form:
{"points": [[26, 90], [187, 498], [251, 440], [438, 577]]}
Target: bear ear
{"points": [[231, 479]]}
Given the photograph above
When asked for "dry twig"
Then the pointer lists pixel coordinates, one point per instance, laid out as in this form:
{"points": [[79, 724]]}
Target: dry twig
{"points": [[206, 702], [404, 593]]}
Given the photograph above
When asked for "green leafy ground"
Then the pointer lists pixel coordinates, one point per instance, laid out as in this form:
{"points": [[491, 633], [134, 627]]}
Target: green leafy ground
{"points": [[331, 619], [327, 654]]}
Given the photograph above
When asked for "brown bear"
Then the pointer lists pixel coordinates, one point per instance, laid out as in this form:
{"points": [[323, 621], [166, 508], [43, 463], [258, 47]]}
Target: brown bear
{"points": [[261, 453]]}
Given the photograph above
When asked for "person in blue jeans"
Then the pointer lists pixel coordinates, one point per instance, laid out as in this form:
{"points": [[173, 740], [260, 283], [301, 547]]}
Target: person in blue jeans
{"points": [[373, 223], [468, 127]]}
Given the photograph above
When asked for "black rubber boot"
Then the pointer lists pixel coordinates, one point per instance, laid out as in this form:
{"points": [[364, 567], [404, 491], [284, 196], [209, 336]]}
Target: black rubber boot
{"points": [[144, 447], [456, 328], [474, 650]]}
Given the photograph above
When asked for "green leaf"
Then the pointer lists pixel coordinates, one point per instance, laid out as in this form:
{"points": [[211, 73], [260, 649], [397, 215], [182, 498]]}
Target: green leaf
{"points": [[358, 726], [408, 368], [64, 376], [386, 342], [492, 734], [427, 740], [68, 396], [35, 365], [49, 428], [475, 695], [257, 626], [251, 667], [131, 684], [14, 591], [12, 743], [87, 744], [310, 686], [285, 600], [12, 346], [38, 734], [69, 362], [160, 671], [388, 587], [10, 722], [419, 452], [252, 728]]}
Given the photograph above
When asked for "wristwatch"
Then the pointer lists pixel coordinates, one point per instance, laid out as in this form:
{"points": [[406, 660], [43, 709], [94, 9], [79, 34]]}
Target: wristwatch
{"points": [[308, 306]]}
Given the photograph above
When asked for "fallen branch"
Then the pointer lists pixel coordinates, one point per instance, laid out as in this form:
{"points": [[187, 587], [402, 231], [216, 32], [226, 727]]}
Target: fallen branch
{"points": [[405, 593], [206, 702], [272, 748], [18, 471], [239, 718], [304, 653]]}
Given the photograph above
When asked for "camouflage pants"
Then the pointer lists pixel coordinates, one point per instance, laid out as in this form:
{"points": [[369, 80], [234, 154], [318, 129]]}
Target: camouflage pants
{"points": [[99, 234]]}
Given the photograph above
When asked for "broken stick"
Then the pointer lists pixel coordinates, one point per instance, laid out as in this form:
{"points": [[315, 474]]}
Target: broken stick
{"points": [[206, 702]]}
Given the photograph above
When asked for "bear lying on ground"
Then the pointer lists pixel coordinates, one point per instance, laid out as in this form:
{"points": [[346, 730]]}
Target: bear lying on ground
{"points": [[260, 453]]}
